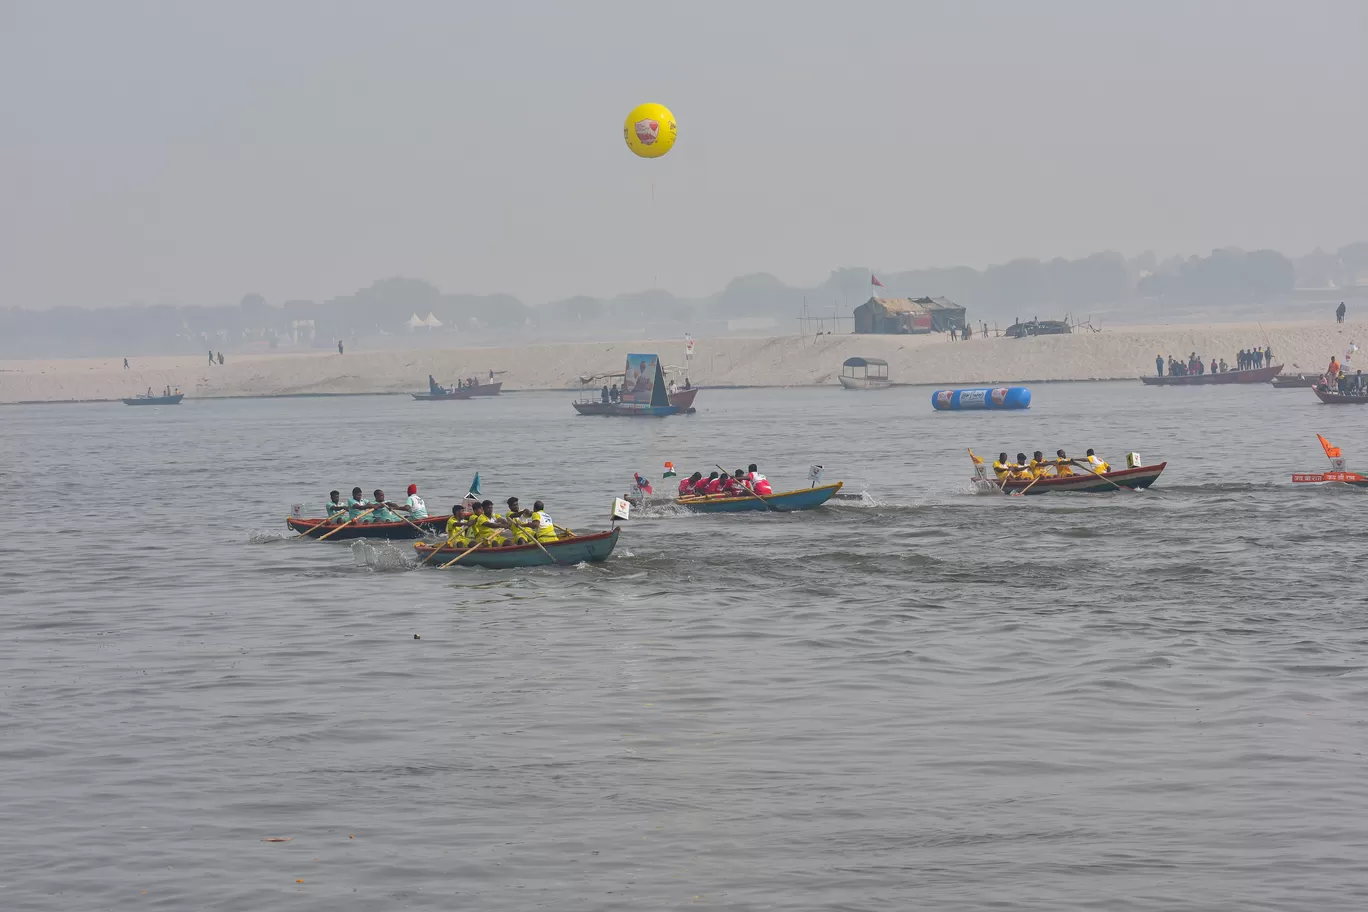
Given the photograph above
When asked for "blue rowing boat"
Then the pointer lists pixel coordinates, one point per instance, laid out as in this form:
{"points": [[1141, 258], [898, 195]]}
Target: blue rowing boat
{"points": [[593, 548], [784, 502]]}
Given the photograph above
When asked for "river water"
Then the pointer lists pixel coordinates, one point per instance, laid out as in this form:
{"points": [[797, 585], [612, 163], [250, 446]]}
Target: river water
{"points": [[932, 700]]}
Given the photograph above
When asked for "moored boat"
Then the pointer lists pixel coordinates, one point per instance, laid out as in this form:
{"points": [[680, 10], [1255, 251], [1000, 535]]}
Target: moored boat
{"points": [[155, 400], [864, 374], [1330, 397], [1300, 381], [592, 548], [317, 528], [1082, 481], [783, 502], [448, 394], [1254, 375]]}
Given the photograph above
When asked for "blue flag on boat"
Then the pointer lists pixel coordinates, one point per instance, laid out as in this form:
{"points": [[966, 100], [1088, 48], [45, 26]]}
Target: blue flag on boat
{"points": [[642, 484], [474, 487]]}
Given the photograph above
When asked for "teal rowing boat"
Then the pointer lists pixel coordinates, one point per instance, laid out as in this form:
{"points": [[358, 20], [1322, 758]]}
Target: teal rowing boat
{"points": [[785, 502], [592, 548]]}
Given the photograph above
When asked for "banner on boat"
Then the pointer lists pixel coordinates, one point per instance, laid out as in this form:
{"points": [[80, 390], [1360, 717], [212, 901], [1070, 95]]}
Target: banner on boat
{"points": [[638, 382]]}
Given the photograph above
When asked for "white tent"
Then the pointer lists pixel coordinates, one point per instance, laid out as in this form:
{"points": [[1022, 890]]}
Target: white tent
{"points": [[415, 321], [432, 321]]}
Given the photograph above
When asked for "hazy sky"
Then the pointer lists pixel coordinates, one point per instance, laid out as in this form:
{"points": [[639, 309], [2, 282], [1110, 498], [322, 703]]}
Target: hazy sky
{"points": [[189, 152]]}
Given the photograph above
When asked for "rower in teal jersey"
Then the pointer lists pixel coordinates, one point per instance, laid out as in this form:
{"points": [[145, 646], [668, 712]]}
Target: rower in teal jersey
{"points": [[356, 505], [337, 510], [384, 514]]}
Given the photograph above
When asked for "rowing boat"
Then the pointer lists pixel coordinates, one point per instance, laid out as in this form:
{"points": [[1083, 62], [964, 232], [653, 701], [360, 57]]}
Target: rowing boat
{"points": [[1298, 382], [1081, 481], [155, 400], [783, 502], [439, 397], [317, 528], [1337, 473], [593, 548], [1330, 397], [1254, 375]]}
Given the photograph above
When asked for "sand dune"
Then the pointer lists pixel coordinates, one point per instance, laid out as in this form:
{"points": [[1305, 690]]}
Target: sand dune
{"points": [[782, 361]]}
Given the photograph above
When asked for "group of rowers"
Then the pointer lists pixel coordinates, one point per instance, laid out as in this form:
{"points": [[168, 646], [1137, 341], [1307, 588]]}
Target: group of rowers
{"points": [[471, 521], [1038, 466], [737, 484]]}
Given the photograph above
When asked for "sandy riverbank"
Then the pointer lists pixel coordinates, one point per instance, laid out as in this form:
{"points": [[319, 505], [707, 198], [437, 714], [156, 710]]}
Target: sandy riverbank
{"points": [[783, 361]]}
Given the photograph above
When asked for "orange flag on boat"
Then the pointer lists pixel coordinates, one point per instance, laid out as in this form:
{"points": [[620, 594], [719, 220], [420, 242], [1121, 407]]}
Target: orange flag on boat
{"points": [[1333, 452]]}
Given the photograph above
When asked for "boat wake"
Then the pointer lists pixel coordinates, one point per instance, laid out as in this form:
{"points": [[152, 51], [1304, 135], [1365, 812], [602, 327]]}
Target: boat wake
{"points": [[262, 537], [381, 557]]}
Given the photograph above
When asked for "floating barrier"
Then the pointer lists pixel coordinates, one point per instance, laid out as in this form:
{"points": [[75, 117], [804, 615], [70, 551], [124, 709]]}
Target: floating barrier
{"points": [[1003, 397]]}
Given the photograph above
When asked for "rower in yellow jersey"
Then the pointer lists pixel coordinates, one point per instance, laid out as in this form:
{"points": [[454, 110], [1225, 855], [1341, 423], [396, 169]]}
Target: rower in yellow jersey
{"points": [[1002, 468], [1021, 469], [458, 535], [1038, 464], [1063, 465], [1097, 463]]}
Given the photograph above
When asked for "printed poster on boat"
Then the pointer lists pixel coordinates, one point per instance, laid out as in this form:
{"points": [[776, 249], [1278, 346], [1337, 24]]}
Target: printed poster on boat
{"points": [[639, 379]]}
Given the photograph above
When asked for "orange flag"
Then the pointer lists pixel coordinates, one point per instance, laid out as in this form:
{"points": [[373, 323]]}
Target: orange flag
{"points": [[1333, 452]]}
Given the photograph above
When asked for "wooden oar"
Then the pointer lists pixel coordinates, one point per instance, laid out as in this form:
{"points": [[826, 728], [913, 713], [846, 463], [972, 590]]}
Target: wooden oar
{"points": [[1088, 466], [752, 493], [478, 546], [315, 528], [1023, 491], [422, 529], [515, 524], [431, 554]]}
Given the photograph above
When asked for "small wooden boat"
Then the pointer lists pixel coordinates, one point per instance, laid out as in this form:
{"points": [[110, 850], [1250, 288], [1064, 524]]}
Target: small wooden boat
{"points": [[619, 410], [483, 389], [1255, 375], [592, 548], [865, 374], [1338, 472], [1081, 481], [1329, 397], [174, 399], [784, 502], [1300, 381], [682, 399], [443, 396], [317, 528]]}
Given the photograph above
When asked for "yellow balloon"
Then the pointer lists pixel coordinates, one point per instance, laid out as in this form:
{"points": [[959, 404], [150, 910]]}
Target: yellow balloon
{"points": [[649, 130]]}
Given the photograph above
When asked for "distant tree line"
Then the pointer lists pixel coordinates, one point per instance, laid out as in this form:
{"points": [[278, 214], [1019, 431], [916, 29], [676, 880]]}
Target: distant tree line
{"points": [[380, 312]]}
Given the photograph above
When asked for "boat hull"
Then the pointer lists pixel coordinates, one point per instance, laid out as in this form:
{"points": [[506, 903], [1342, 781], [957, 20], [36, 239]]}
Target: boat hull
{"points": [[1349, 478], [864, 383], [617, 410], [442, 397], [155, 400], [592, 549], [1301, 381], [784, 502], [399, 531], [1083, 482], [1257, 375], [1331, 398], [485, 389], [683, 399]]}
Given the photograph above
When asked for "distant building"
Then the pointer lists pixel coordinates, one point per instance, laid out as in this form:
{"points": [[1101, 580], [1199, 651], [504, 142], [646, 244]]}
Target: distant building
{"points": [[908, 315]]}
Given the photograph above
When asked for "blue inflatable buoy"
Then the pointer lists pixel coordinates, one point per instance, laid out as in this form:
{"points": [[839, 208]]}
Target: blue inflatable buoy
{"points": [[1003, 397]]}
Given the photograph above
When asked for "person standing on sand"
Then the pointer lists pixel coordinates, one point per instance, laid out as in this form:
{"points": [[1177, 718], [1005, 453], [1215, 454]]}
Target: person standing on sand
{"points": [[339, 346], [211, 357], [1339, 313], [125, 364], [220, 356]]}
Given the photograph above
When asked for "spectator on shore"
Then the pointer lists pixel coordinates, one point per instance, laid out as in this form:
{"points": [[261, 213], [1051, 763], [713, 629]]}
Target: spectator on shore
{"points": [[1339, 313]]}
